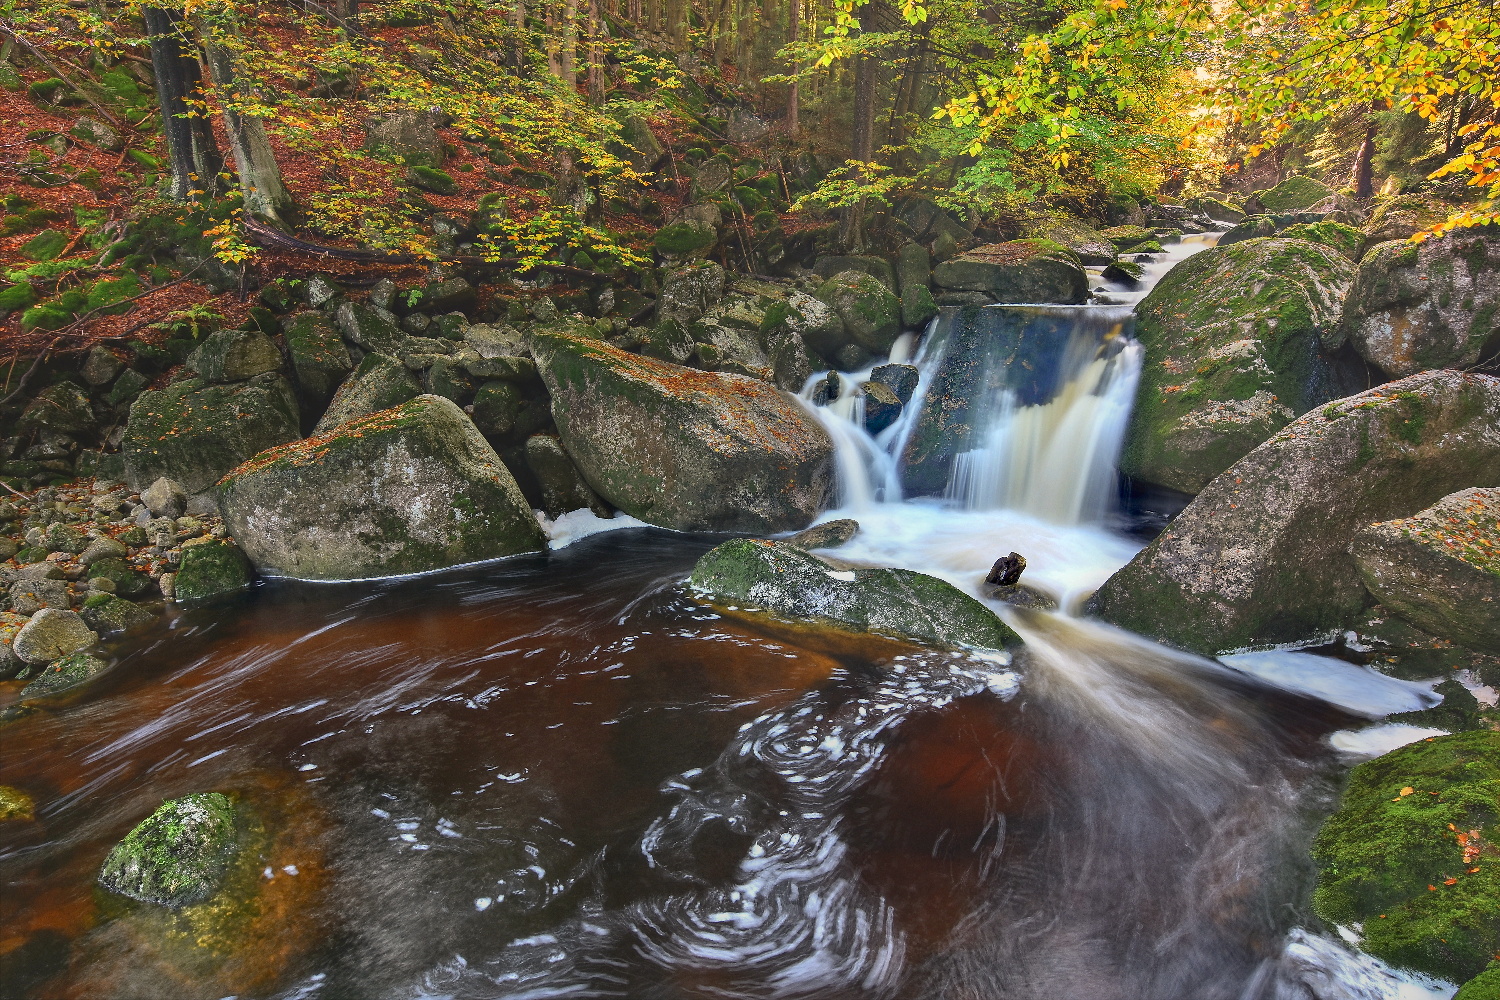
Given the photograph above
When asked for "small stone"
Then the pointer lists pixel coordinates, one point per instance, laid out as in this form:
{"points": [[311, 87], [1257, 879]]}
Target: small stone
{"points": [[1007, 570], [8, 548], [167, 582], [882, 406], [16, 805], [52, 633], [63, 673], [179, 855], [165, 498], [110, 615], [100, 366], [27, 597], [102, 585], [40, 571], [828, 535], [64, 538], [103, 547]]}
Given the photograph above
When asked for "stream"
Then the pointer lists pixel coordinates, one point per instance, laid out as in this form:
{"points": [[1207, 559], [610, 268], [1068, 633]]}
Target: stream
{"points": [[562, 776]]}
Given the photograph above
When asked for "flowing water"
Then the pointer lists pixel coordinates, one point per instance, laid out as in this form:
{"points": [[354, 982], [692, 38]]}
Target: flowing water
{"points": [[562, 776]]}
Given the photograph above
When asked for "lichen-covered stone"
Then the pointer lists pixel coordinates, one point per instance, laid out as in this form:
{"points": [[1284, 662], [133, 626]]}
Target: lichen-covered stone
{"points": [[63, 408], [405, 490], [210, 567], [320, 361], [1410, 855], [828, 535], [127, 581], [194, 433], [1295, 194], [1434, 304], [1440, 568], [1262, 554], [689, 292], [111, 615], [870, 311], [784, 580], [52, 633], [1090, 245], [63, 673], [164, 498], [1233, 353], [371, 327], [28, 595], [234, 356], [1018, 271], [1342, 237], [379, 383], [685, 449], [1404, 216], [178, 855]]}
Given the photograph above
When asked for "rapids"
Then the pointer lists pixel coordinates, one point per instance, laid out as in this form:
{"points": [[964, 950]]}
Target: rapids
{"points": [[561, 776]]}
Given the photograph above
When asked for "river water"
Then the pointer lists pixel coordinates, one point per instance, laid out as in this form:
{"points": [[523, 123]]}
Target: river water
{"points": [[562, 776]]}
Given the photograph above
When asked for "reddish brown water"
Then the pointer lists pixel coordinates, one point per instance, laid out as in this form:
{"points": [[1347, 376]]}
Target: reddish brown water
{"points": [[560, 776]]}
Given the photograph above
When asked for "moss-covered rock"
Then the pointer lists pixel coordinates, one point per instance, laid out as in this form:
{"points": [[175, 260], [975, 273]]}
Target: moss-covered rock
{"points": [[178, 855], [563, 488], [685, 240], [871, 313], [1295, 194], [117, 571], [1087, 243], [64, 673], [690, 291], [194, 433], [1126, 238], [52, 633], [784, 580], [1342, 237], [1411, 855], [210, 567], [234, 356], [371, 327], [405, 490], [111, 615], [378, 383], [1233, 339], [320, 361], [1404, 216], [63, 408], [680, 448], [1440, 568], [1019, 271], [1435, 304], [1262, 554], [16, 806], [1485, 986], [433, 179]]}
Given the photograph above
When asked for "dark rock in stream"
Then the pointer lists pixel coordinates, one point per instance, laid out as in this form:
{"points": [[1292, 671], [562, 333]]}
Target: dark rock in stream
{"points": [[828, 535], [1262, 554], [787, 581], [210, 567], [1007, 570], [405, 490], [178, 855], [882, 406]]}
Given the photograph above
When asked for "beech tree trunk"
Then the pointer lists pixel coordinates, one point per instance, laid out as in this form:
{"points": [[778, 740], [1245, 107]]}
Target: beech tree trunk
{"points": [[569, 57], [191, 148], [265, 196], [1362, 177], [595, 54], [793, 30]]}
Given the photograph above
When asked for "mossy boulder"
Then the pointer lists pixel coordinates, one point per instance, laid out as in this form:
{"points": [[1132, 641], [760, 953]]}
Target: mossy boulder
{"points": [[870, 311], [371, 327], [1126, 238], [126, 580], [194, 432], [210, 567], [1033, 270], [784, 580], [178, 855], [405, 490], [64, 673], [685, 240], [1404, 216], [685, 449], [562, 487], [432, 179], [234, 356], [1434, 304], [1440, 568], [1087, 243], [320, 361], [378, 383], [1295, 194], [52, 633], [63, 408], [1485, 986], [1234, 352], [1262, 554], [1411, 855], [690, 291], [111, 615], [1342, 237]]}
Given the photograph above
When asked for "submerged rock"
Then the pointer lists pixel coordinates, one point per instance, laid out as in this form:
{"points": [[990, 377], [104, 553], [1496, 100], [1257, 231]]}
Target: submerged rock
{"points": [[1018, 271], [1440, 568], [404, 490], [178, 855], [61, 674], [16, 805], [194, 433], [1262, 554], [1233, 340], [210, 567], [684, 449], [787, 581], [1404, 856], [1434, 304]]}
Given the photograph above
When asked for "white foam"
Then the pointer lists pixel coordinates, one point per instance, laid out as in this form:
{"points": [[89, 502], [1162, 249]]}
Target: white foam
{"points": [[1330, 970], [1356, 689], [1373, 741], [581, 523]]}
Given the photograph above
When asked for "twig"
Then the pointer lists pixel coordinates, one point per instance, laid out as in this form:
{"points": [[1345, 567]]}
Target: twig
{"points": [[37, 54]]}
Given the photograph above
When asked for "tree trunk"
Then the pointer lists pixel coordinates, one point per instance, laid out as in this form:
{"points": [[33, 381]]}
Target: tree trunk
{"points": [[266, 197], [1362, 177], [862, 146], [793, 31], [190, 141], [554, 63], [595, 55], [677, 15], [518, 25], [569, 58], [347, 12], [653, 16]]}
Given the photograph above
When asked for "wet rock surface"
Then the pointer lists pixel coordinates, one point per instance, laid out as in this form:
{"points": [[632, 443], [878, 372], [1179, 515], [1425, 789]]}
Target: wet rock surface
{"points": [[178, 855]]}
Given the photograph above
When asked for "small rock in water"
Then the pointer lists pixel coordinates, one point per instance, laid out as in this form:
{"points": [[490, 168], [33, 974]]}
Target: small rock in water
{"points": [[900, 379], [882, 406], [178, 855], [1021, 596], [1007, 570], [828, 535], [67, 672], [15, 805], [826, 390]]}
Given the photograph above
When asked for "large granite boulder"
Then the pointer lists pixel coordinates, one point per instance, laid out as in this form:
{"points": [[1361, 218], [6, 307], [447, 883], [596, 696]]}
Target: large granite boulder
{"points": [[756, 575], [685, 449], [1434, 304], [50, 634], [870, 310], [371, 327], [195, 432], [1440, 568], [404, 490], [1403, 216], [1234, 341], [234, 356], [1018, 271], [378, 383], [1262, 554], [1405, 856], [320, 360]]}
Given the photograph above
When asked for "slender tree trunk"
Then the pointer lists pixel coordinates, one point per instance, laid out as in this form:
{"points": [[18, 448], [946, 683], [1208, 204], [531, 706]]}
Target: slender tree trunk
{"points": [[677, 15], [1362, 177], [793, 90], [653, 16], [595, 54], [190, 141], [569, 59], [347, 12], [266, 197], [518, 25], [554, 62], [862, 145]]}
